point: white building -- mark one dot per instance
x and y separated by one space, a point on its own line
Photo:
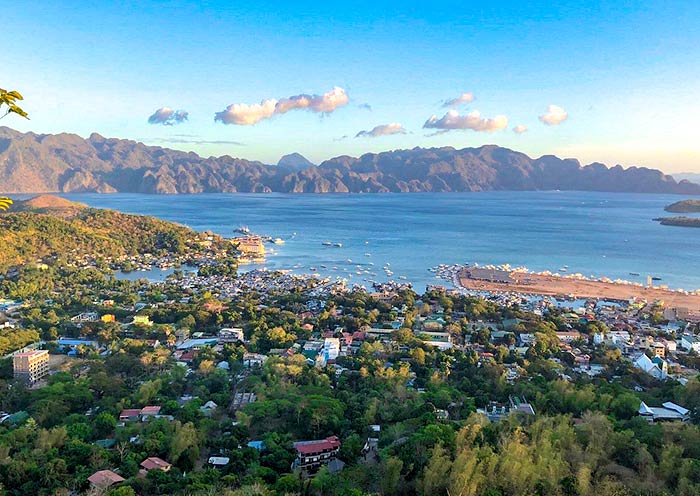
690 343
657 367
669 412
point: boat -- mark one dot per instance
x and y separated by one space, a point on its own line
326 243
242 230
655 278
338 245
278 241
634 273
563 269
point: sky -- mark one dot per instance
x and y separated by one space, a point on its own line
600 81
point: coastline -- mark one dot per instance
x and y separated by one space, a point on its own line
506 280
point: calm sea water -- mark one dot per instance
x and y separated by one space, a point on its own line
598 234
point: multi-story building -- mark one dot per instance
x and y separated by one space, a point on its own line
31 366
311 455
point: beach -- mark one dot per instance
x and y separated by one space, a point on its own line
544 284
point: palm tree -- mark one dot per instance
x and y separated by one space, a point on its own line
5 202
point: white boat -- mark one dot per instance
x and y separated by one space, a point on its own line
338 245
326 243
278 241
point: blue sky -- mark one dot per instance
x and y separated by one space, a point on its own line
626 75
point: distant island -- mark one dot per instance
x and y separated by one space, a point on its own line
679 221
35 163
684 207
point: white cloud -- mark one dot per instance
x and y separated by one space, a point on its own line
472 120
168 116
520 129
382 130
463 98
244 114
554 116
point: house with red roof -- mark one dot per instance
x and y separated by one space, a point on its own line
311 455
104 478
155 463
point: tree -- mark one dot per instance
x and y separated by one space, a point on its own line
9 99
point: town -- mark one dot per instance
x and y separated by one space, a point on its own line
221 379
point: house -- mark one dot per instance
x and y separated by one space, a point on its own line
108 317
495 412
231 335
258 445
656 367
104 478
149 411
85 317
208 408
155 463
440 340
253 360
668 412
219 461
143 320
130 414
690 343
568 336
311 455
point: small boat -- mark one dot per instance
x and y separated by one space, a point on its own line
655 278
634 273
278 241
313 269
563 269
368 254
326 243
242 230
338 245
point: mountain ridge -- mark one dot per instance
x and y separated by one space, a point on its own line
67 163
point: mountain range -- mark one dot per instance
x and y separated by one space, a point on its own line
36 163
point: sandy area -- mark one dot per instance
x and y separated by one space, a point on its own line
549 285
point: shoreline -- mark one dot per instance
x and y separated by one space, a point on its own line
503 279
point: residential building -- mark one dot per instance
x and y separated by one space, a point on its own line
231 335
690 343
144 320
668 412
155 463
104 478
656 367
311 455
30 366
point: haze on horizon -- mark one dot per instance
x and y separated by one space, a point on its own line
597 82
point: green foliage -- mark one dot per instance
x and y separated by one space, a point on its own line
9 99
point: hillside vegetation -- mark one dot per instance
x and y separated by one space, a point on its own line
27 235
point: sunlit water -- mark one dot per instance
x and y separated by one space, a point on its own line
600 234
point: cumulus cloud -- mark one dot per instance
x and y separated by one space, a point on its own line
473 120
554 116
244 114
382 130
168 117
463 98
520 129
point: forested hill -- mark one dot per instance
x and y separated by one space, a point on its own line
72 231
68 163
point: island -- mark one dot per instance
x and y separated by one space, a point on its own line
679 221
684 207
